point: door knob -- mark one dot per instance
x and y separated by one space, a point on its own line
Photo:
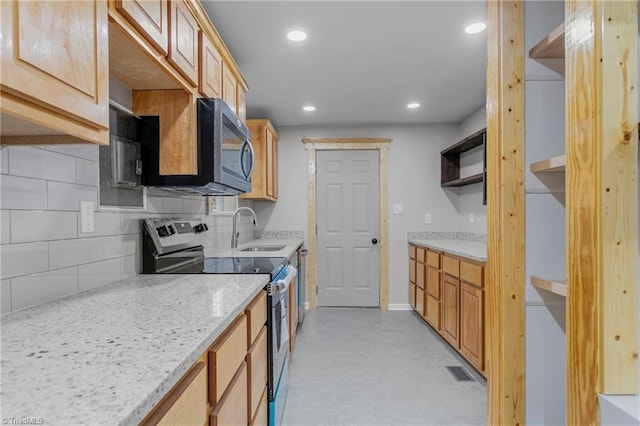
374 241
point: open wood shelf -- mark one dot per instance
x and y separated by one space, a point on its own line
477 178
550 165
552 46
466 144
558 287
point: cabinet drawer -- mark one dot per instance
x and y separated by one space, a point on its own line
412 252
420 275
433 259
225 356
186 403
471 273
433 282
257 363
232 409
451 266
260 418
420 254
412 271
420 301
256 317
433 312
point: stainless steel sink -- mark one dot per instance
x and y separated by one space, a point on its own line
263 248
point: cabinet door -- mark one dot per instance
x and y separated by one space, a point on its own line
433 312
412 270
229 87
210 68
150 17
55 54
241 107
270 165
275 168
471 324
451 309
420 275
257 376
420 301
183 45
234 406
412 295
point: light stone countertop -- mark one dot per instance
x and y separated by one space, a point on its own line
290 246
470 249
107 356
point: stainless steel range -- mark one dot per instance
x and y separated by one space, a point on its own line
175 246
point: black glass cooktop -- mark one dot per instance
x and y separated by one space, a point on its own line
243 265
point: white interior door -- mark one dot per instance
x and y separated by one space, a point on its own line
348 208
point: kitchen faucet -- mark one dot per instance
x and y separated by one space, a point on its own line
235 235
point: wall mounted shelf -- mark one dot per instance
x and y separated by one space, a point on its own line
558 287
550 50
550 165
450 163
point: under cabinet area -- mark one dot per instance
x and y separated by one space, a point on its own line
228 384
264 180
448 292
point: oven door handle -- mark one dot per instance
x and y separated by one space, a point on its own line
281 286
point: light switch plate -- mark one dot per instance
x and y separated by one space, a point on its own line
87 220
398 209
427 218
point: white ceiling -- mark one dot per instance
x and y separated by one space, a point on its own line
362 63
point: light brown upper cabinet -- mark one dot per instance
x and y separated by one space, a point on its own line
241 103
229 87
54 75
150 17
183 41
210 68
264 180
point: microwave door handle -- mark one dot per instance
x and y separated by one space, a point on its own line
246 142
253 158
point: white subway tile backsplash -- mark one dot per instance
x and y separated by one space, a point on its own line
87 172
131 223
39 163
86 151
129 266
23 259
41 288
28 226
5 232
5 297
119 245
172 205
65 196
74 252
194 205
104 224
19 193
154 205
97 274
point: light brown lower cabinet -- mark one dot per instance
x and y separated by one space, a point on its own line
227 385
471 320
420 301
433 313
232 408
451 309
412 295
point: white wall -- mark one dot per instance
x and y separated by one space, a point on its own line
469 200
414 181
44 256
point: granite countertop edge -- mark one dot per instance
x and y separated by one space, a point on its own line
290 247
472 250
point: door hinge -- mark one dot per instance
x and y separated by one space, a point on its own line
316 290
316 229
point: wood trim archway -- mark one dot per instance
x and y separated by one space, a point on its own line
380 144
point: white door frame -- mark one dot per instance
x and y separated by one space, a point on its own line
380 144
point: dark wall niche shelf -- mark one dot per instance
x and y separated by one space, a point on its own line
450 163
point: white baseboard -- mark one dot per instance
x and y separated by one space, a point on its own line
399 307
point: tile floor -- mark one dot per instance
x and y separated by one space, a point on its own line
368 367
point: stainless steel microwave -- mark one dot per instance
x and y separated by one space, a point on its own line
225 155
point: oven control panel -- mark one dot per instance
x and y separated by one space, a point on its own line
174 234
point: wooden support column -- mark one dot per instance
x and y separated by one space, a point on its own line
602 205
505 314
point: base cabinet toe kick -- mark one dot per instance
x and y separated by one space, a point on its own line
448 292
228 384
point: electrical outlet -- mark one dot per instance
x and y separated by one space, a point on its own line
471 218
87 220
427 218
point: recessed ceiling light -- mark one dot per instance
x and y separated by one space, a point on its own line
309 108
413 105
296 35
475 28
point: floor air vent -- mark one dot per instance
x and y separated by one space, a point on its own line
459 373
